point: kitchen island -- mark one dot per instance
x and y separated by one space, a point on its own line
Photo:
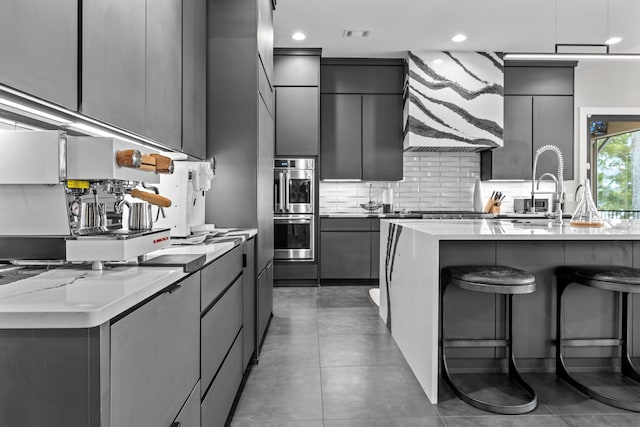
412 253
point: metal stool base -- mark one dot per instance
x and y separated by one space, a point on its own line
513 373
627 368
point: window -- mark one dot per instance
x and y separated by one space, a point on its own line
615 175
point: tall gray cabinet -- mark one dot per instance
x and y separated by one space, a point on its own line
538 110
240 127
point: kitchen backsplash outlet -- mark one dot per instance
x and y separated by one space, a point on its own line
437 181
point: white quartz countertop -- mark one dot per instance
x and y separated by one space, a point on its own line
68 297
78 297
519 229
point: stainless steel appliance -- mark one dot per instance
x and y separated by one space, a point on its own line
56 192
294 237
293 181
294 219
523 205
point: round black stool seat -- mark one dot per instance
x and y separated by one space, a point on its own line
498 279
607 277
622 280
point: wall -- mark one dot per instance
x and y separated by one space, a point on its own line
599 86
432 181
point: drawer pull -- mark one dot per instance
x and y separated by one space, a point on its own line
172 288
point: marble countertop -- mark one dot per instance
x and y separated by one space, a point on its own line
78 297
518 229
75 297
367 215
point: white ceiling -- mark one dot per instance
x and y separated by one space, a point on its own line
491 25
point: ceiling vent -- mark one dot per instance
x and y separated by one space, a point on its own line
356 33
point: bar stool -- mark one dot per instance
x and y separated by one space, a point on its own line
496 280
619 279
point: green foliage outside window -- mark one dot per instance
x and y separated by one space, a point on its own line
614 189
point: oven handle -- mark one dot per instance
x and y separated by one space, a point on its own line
281 190
287 190
293 220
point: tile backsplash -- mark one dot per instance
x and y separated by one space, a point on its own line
432 181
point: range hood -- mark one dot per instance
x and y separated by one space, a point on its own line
453 101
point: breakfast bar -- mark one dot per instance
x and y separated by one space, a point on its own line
413 252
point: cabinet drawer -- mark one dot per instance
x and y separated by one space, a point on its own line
219 328
154 357
345 224
189 415
219 398
217 276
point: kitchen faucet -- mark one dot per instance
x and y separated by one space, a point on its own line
558 194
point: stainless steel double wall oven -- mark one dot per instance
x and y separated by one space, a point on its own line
294 196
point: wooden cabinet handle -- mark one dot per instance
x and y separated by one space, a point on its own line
154 199
129 158
163 163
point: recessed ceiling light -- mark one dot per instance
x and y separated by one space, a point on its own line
459 38
356 33
299 36
613 40
436 61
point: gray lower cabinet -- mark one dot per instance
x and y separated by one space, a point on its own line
341 136
164 72
189 415
265 300
113 62
194 77
218 400
221 336
220 327
349 248
297 121
345 255
154 358
248 301
39 49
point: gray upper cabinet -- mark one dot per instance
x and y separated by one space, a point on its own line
297 121
515 158
361 119
338 76
113 62
553 124
164 72
296 77
381 137
341 130
39 49
544 80
194 77
296 70
538 111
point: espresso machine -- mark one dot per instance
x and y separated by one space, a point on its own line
62 198
187 188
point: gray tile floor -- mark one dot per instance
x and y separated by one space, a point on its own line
329 361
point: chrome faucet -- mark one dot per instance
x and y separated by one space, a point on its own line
558 194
